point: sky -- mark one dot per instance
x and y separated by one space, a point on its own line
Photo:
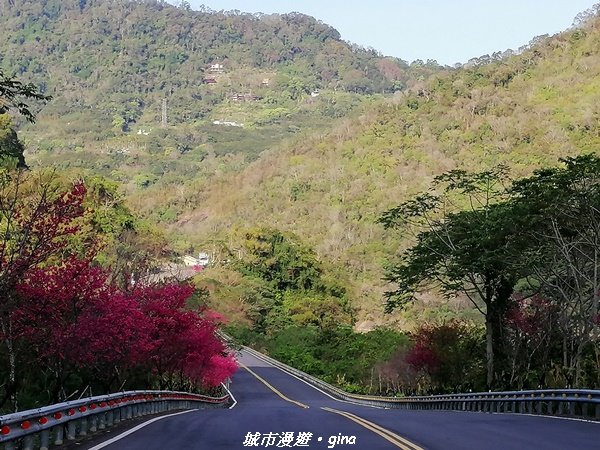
448 31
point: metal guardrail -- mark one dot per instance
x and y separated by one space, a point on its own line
38 428
576 403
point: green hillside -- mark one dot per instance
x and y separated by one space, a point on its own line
526 110
332 135
112 66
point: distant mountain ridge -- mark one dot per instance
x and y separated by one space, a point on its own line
319 150
525 110
123 56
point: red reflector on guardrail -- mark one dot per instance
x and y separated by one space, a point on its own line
58 416
71 412
43 420
82 409
25 425
5 430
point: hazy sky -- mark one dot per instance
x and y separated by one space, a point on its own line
448 31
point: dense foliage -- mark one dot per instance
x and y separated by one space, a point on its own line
527 256
67 322
330 188
64 322
110 65
275 146
124 58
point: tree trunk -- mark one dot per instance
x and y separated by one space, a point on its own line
12 365
489 348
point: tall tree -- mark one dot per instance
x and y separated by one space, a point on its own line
562 206
11 149
470 251
280 259
37 220
12 95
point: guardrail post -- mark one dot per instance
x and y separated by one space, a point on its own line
110 418
94 423
28 442
102 424
71 430
83 426
45 439
572 408
59 438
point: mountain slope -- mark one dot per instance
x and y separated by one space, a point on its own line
121 58
320 154
525 110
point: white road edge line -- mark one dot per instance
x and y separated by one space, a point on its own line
230 395
575 419
133 430
384 407
310 385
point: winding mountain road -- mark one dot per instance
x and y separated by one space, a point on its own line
276 410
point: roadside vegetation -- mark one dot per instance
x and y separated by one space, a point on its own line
327 182
77 316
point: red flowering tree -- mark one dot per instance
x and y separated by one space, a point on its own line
186 352
65 323
52 299
446 357
112 338
530 339
37 222
73 321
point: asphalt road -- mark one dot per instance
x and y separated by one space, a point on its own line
275 410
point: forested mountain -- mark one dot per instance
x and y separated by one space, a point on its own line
116 60
525 110
166 98
312 135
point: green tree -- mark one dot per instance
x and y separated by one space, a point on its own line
280 259
13 94
473 251
562 206
11 149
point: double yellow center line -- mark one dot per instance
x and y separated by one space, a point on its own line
398 441
266 383
388 435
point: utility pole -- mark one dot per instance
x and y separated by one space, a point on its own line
163 122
